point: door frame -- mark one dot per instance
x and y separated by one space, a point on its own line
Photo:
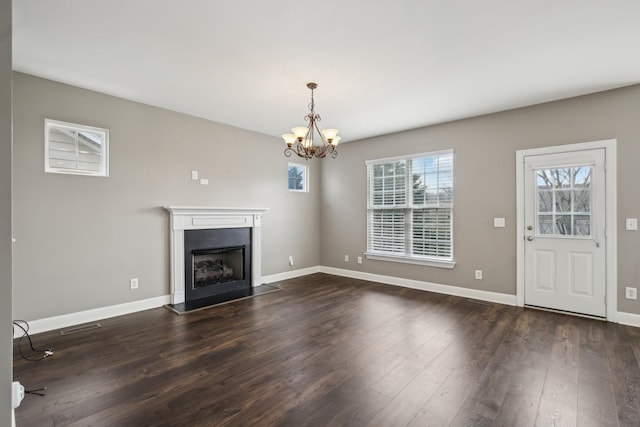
611 207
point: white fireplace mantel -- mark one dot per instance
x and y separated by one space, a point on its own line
194 218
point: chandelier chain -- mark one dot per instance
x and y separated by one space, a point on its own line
312 104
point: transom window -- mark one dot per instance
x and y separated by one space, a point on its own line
410 209
76 149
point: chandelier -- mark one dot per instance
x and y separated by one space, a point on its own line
302 141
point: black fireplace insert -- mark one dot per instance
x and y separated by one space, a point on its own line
217 265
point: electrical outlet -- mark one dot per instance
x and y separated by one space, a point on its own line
498 222
204 181
359 260
346 258
478 274
194 175
630 293
133 283
291 260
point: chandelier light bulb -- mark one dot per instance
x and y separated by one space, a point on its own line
300 132
289 138
330 133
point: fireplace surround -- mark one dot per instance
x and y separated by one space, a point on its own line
240 233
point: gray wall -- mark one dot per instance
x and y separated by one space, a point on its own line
6 347
80 239
485 187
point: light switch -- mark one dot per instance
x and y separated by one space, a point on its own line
204 181
632 224
498 222
194 175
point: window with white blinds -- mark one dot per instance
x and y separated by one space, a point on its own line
410 209
76 149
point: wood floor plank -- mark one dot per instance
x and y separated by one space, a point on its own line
494 384
445 403
625 377
559 400
327 350
402 409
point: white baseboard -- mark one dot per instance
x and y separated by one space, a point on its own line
290 274
629 319
72 319
424 286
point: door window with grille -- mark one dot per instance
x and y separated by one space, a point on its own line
564 201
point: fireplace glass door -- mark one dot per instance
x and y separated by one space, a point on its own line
215 266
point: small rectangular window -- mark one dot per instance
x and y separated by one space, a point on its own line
75 149
298 178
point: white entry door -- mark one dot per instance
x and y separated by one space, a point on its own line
564 219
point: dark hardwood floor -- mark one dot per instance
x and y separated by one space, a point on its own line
334 351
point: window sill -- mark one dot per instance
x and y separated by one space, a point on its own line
410 260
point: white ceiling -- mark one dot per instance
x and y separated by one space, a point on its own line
381 65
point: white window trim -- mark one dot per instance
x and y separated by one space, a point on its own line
407 157
48 124
305 181
410 259
430 262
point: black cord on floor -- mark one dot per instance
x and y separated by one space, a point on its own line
37 391
25 329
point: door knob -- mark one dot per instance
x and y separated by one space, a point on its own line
529 238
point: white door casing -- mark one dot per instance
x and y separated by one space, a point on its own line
566 205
